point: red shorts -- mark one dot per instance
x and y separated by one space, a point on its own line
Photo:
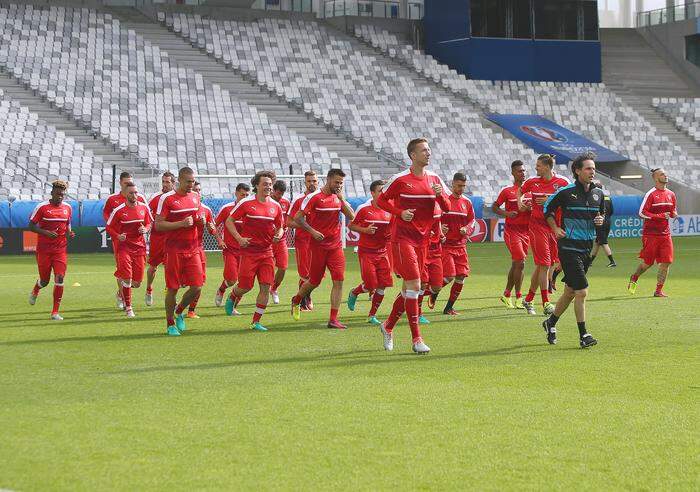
455 261
203 259
657 249
433 272
252 266
156 253
517 241
183 269
333 259
130 266
409 260
375 270
48 261
544 245
303 255
231 264
281 253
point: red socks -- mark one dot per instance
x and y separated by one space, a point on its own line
634 278
397 310
455 290
170 321
334 315
544 294
659 287
274 287
259 310
359 290
126 296
223 287
57 295
179 309
506 293
194 302
412 312
518 295
377 299
36 289
530 296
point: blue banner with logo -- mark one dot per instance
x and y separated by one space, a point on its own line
546 137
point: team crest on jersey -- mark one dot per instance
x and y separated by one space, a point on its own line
555 186
272 210
464 207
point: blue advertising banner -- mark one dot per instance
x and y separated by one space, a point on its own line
545 136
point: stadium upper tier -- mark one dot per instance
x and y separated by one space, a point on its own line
129 93
589 109
35 153
683 113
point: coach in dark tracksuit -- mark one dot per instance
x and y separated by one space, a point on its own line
582 210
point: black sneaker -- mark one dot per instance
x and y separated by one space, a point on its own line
551 332
612 264
587 340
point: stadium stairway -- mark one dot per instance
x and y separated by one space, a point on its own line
67 125
247 91
636 73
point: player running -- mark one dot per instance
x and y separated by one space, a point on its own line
582 210
261 225
658 206
176 214
602 232
318 216
433 277
157 238
515 233
51 221
458 224
280 249
414 193
125 179
128 223
230 250
302 240
205 220
373 225
542 239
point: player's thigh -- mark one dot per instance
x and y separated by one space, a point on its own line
664 250
138 268
281 253
230 267
368 270
125 265
317 267
409 260
191 273
335 262
44 265
435 273
541 249
247 271
383 267
573 266
203 261
448 264
461 261
265 270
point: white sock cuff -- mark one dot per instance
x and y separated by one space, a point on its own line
379 292
126 284
57 284
411 294
458 281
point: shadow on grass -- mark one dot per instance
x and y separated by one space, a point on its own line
620 298
344 359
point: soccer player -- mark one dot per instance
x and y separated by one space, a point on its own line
373 225
433 276
458 223
602 232
157 238
658 206
515 233
542 239
262 224
51 220
127 224
411 196
125 179
318 216
176 214
204 220
582 209
280 248
231 250
302 240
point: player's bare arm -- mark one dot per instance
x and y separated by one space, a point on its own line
164 225
370 229
301 220
231 226
558 231
35 228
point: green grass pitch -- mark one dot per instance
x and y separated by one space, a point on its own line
97 402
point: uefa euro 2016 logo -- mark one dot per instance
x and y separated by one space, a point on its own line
546 134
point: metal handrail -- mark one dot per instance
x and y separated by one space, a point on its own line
666 15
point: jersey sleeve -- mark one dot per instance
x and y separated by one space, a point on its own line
238 211
37 214
221 216
279 218
163 208
552 203
645 208
501 198
309 204
525 187
471 216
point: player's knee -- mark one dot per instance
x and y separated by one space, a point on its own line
379 292
136 285
581 294
58 280
126 283
43 283
459 279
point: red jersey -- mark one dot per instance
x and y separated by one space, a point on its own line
460 214
411 192
153 205
115 200
509 197
54 218
260 222
299 233
322 213
366 215
539 188
285 205
232 245
174 207
654 205
436 236
204 216
128 220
